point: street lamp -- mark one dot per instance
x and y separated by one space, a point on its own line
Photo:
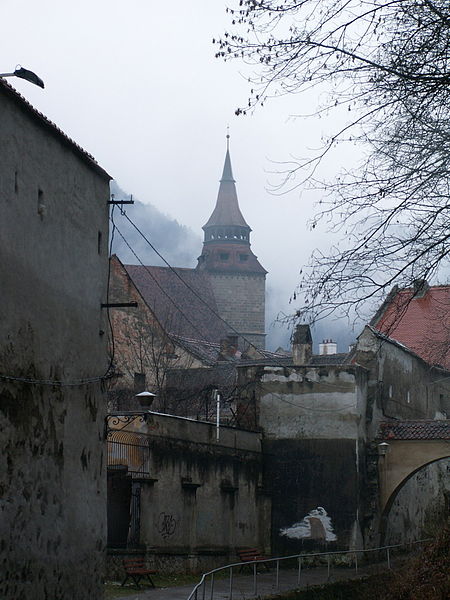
383 448
145 398
25 74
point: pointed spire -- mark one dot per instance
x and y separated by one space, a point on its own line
227 211
227 174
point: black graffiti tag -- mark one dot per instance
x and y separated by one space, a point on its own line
166 525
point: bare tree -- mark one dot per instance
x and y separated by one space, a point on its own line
144 350
388 63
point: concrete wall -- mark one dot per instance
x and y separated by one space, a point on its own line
240 301
53 273
313 424
207 499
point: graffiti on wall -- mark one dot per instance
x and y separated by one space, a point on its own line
316 525
166 524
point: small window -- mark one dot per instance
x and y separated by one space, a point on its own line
16 182
224 256
41 204
243 257
99 242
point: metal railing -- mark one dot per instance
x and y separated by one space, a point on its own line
200 592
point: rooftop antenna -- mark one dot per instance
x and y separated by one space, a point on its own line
25 74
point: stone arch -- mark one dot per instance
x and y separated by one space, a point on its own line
404 459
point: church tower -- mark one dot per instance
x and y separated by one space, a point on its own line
237 278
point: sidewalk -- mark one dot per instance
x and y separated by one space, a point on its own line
243 585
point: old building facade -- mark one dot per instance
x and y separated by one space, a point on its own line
53 357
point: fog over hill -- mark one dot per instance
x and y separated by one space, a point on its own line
180 246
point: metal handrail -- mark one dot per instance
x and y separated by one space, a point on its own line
299 557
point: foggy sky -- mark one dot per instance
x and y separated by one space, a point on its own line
136 84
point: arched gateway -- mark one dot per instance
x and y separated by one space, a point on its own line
406 447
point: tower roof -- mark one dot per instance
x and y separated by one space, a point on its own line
227 211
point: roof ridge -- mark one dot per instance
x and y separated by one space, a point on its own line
52 126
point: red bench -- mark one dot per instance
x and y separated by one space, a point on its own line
135 569
250 555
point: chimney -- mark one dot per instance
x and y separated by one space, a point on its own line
421 287
328 347
301 345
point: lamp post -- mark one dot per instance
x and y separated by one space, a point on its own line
25 74
145 398
383 448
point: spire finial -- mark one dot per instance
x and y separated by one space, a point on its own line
228 138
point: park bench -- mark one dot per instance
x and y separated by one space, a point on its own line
136 569
247 555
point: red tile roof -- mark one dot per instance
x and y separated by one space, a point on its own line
415 430
176 306
39 117
421 323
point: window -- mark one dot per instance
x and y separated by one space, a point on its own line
243 257
224 256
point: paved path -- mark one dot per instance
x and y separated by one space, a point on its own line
243 585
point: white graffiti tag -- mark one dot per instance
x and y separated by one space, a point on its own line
316 526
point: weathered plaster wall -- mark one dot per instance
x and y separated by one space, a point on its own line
53 269
313 424
401 385
241 303
207 499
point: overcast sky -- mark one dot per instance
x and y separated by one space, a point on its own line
136 84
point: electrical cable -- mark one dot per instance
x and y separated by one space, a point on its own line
203 301
159 285
270 362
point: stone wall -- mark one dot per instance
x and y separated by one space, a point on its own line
240 301
53 269
207 499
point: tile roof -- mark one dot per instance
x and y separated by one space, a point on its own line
206 351
414 430
183 310
26 106
422 323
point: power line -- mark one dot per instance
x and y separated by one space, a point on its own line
215 313
204 302
159 285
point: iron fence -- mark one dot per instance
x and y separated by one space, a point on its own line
208 579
